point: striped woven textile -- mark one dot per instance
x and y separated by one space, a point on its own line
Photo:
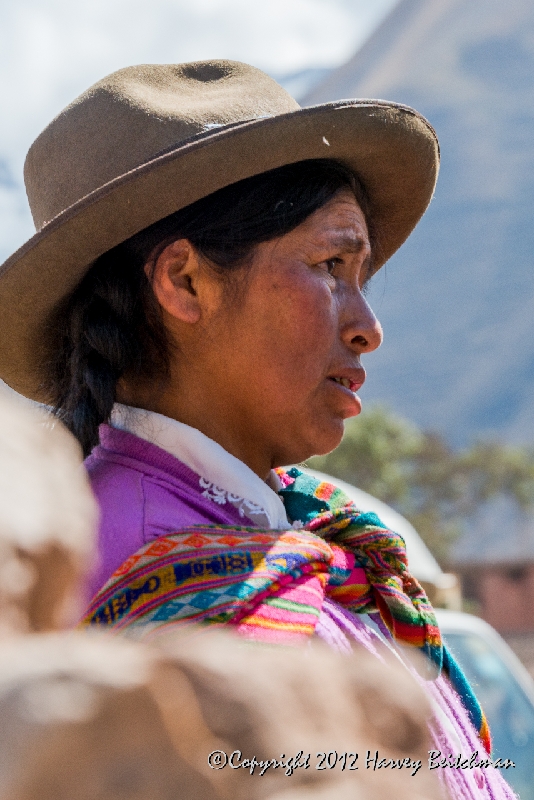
271 585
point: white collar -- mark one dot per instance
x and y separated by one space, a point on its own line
223 478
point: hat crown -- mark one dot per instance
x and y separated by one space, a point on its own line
132 116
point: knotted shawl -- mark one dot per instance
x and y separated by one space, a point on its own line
271 585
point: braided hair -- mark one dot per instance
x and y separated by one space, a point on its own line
111 325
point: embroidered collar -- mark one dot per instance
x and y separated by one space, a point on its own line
222 477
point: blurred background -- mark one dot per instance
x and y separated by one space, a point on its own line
447 433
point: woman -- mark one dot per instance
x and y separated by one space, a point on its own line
196 289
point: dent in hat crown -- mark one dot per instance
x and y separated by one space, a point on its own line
134 115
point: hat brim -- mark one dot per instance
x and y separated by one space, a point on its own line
392 149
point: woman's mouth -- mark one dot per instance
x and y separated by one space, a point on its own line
353 386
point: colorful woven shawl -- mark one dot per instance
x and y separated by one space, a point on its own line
271 584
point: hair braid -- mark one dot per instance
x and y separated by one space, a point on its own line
103 333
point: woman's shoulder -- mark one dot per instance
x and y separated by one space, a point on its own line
121 452
124 464
144 492
140 497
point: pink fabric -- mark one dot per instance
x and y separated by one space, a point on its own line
306 590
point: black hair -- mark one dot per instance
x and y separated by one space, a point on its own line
111 325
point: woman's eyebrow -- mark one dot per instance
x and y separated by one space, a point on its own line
349 243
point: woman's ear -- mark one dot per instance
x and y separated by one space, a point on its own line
174 277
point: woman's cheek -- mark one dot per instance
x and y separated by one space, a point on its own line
300 323
310 345
318 313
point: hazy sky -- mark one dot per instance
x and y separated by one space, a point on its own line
51 50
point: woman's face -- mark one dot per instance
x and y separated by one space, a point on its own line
275 369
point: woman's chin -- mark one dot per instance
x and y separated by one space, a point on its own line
331 432
326 447
324 442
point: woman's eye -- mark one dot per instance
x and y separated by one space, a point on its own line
330 265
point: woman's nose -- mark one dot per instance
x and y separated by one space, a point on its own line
361 330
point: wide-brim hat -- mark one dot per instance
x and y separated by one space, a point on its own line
149 140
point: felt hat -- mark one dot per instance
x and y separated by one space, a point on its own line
149 140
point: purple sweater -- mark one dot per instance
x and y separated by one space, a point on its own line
144 492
